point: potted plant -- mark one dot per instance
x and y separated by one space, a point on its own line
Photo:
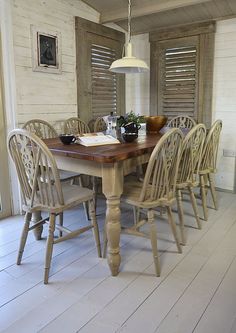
131 122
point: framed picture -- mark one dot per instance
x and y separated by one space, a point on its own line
46 51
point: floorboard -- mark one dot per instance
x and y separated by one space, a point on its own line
195 293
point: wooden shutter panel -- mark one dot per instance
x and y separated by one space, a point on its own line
179 81
99 90
181 71
104 82
178 77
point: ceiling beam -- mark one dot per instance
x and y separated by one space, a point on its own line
146 7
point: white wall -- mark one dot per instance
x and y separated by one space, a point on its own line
8 71
137 85
52 97
224 98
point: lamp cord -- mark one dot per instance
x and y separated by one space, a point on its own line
129 21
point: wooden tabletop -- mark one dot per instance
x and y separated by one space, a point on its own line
106 153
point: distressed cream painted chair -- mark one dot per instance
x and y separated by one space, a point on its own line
100 125
41 128
207 168
188 172
75 126
157 189
182 122
44 130
42 191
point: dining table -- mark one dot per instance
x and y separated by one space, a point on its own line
112 163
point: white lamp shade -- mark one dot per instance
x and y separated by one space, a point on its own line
129 64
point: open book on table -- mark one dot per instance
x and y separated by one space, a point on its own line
96 139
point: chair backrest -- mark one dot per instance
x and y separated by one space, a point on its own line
182 122
191 154
36 169
41 128
75 126
99 125
210 149
160 177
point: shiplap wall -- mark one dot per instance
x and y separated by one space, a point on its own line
137 85
52 97
224 98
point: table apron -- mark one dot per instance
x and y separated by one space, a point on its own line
80 166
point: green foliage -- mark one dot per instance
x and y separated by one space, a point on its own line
130 117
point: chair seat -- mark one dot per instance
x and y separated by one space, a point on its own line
67 175
131 195
73 195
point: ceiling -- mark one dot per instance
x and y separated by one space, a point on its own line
150 15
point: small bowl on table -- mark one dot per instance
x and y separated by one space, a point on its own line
155 123
129 137
67 139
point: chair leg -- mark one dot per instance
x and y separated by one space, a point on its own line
49 247
104 251
24 235
212 189
203 196
194 205
95 226
181 217
85 204
173 228
61 223
95 190
153 237
136 212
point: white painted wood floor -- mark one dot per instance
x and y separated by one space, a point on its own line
195 293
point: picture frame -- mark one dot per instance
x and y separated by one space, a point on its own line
46 51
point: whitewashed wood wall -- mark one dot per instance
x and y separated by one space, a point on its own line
224 98
52 97
137 85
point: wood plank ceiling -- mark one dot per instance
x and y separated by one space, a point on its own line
150 15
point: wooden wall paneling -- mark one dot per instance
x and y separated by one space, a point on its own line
41 94
206 66
183 31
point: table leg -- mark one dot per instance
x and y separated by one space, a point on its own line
36 216
112 187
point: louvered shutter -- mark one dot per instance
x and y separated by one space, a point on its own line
104 82
181 71
99 90
179 81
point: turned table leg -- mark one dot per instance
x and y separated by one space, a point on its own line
112 185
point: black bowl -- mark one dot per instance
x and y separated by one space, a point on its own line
129 137
67 138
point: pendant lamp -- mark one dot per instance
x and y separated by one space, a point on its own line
129 63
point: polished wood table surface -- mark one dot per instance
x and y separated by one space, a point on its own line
111 163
